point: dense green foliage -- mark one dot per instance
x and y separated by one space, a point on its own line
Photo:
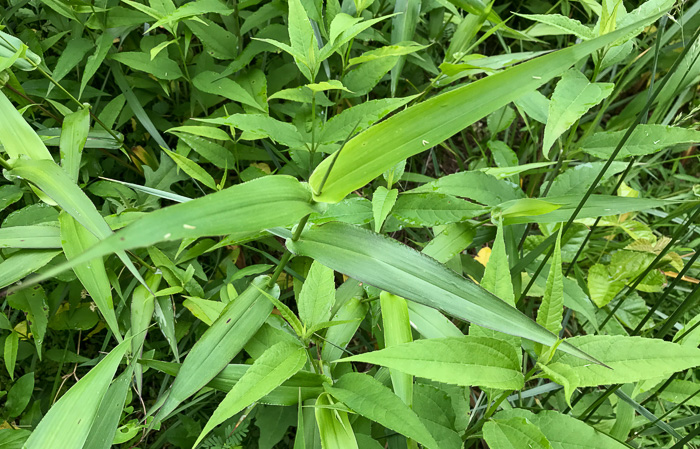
349 224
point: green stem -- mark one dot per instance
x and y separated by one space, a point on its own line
287 254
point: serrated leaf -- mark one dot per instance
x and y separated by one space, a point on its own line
369 398
514 433
573 97
317 296
383 201
455 360
433 209
645 139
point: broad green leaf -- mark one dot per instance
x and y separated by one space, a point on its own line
10 352
268 372
160 67
75 51
551 310
23 263
632 359
369 398
438 118
92 274
680 390
397 331
213 83
19 395
187 10
74 134
204 309
218 42
77 409
463 361
54 182
238 322
359 117
259 126
474 185
94 61
110 412
36 237
564 24
433 209
16 136
602 286
575 181
310 384
403 28
193 169
383 201
573 97
34 302
564 431
303 41
595 206
338 337
241 209
333 425
645 139
388 265
514 433
317 296
142 308
497 280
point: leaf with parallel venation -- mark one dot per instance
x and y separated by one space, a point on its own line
238 322
268 372
429 123
244 208
368 397
391 266
474 185
551 310
463 361
93 275
77 409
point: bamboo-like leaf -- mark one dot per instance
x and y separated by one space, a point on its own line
397 330
24 262
238 322
333 425
93 275
368 397
244 208
399 269
455 360
276 365
68 422
431 122
142 308
16 136
74 134
110 412
54 182
37 237
338 337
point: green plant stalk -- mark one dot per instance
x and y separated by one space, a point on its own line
287 254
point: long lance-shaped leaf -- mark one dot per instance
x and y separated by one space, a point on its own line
68 422
276 365
429 123
389 265
93 275
238 322
55 182
16 136
244 208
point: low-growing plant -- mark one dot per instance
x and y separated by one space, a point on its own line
349 224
